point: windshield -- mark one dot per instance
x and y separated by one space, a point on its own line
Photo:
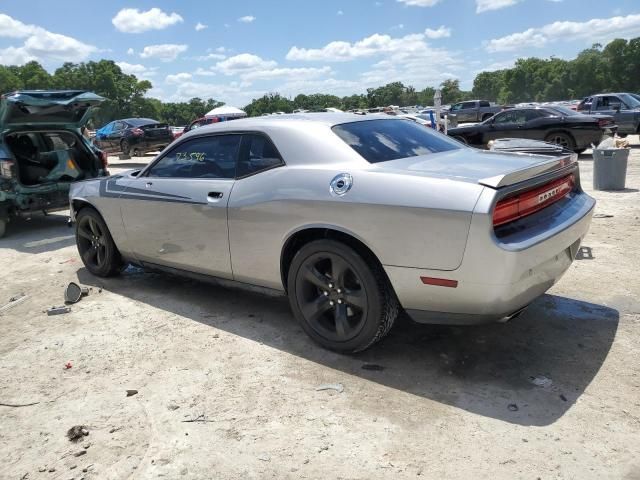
137 122
630 100
563 110
385 140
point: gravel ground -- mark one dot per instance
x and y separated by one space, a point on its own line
227 381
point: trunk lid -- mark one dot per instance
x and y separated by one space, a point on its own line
61 108
491 169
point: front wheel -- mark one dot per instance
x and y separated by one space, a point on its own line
125 148
562 139
95 245
343 302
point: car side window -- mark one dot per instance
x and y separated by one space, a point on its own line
484 103
532 115
504 117
204 157
257 154
468 105
456 107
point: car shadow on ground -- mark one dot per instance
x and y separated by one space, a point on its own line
40 234
489 370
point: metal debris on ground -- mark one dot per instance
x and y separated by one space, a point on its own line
74 292
264 457
13 301
338 387
602 215
131 393
77 432
80 453
541 381
58 310
68 365
513 407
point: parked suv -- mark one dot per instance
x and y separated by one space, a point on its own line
42 151
474 110
133 136
623 107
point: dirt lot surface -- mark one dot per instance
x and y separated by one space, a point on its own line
227 381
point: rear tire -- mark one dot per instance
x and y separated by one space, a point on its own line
461 139
580 150
560 138
95 245
343 301
3 226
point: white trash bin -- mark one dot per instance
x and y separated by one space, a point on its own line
610 168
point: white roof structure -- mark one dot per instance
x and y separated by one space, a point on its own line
226 111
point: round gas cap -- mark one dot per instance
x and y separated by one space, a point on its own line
341 184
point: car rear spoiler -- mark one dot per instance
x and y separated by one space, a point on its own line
542 168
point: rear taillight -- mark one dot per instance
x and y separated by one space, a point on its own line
7 168
515 207
603 122
137 131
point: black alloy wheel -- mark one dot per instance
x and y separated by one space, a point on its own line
342 301
95 245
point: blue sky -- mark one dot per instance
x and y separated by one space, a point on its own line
234 51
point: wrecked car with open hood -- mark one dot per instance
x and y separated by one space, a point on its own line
42 150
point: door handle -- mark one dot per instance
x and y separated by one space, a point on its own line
149 184
214 196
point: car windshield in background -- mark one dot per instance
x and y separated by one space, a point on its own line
563 110
137 122
385 140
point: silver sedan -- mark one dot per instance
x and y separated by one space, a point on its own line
354 218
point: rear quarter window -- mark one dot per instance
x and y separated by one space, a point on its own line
385 140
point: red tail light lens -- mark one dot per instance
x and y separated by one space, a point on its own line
137 131
602 122
513 208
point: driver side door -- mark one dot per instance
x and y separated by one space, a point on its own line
175 213
502 125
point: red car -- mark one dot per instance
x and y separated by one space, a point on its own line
197 124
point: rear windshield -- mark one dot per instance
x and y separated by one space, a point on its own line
385 140
138 122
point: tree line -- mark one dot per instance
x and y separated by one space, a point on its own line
614 67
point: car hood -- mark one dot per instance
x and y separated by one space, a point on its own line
493 169
63 108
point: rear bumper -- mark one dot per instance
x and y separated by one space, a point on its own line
495 280
151 143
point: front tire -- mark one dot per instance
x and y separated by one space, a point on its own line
125 148
563 139
95 245
343 301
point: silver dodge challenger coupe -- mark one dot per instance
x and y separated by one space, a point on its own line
354 218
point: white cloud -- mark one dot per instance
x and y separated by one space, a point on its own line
419 3
440 32
594 30
130 51
375 44
400 26
339 12
487 5
211 56
178 78
221 49
166 52
247 19
290 73
132 20
200 26
205 73
39 44
137 69
244 63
